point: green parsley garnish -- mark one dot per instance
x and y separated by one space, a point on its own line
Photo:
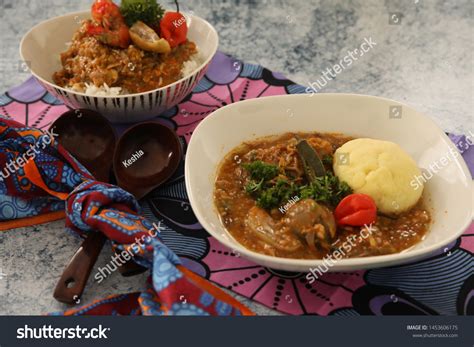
147 11
259 170
270 193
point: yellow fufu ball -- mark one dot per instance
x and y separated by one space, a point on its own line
382 170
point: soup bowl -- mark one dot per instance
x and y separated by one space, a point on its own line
448 193
41 47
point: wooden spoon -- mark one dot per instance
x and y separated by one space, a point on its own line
90 138
145 157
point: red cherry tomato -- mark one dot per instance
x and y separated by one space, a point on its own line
173 28
356 210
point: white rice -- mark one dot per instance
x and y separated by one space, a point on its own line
188 68
104 90
191 65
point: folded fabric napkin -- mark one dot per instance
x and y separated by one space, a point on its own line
441 284
40 169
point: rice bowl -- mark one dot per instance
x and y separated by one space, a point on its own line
44 43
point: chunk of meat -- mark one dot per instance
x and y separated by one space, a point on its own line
312 222
263 226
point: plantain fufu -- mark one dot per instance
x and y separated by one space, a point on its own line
380 169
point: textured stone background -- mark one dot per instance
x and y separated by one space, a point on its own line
426 62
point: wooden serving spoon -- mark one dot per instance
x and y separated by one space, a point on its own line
74 278
91 140
157 152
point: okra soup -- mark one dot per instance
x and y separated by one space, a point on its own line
307 195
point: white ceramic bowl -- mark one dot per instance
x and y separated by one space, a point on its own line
41 46
449 192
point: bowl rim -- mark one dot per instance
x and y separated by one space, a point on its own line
53 85
346 263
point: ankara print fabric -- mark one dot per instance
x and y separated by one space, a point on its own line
93 206
441 284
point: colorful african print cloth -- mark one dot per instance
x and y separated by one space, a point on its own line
39 169
440 284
